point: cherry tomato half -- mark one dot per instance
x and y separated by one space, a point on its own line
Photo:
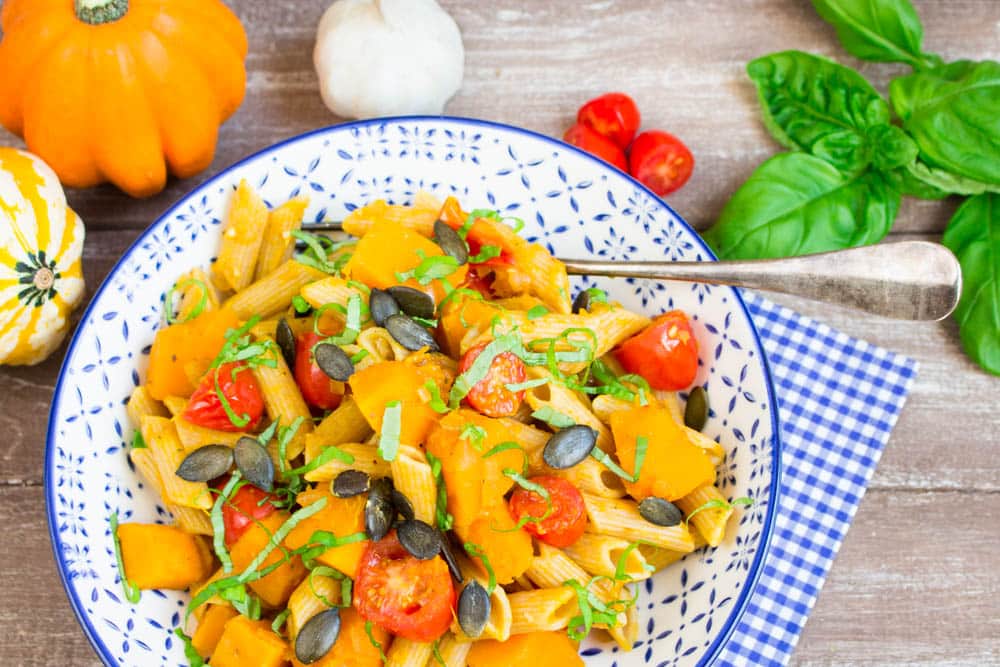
665 353
242 392
408 597
568 518
613 115
317 388
247 505
490 395
660 161
584 137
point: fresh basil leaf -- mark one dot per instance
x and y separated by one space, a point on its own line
879 30
919 180
818 106
974 236
796 204
953 113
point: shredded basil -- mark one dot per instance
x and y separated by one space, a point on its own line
346 585
190 652
138 442
168 300
476 551
481 367
553 417
353 325
719 503
437 403
507 446
317 254
537 311
375 643
442 517
218 525
528 485
132 592
329 453
592 610
620 574
430 268
528 384
322 540
300 305
279 621
436 652
242 600
485 254
392 423
358 356
474 434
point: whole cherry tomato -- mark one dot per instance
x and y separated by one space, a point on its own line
665 353
247 505
660 161
597 144
490 395
613 115
317 388
568 516
410 598
238 385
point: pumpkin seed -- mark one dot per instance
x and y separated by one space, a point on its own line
333 361
380 513
419 538
382 306
473 609
402 504
350 483
285 338
206 463
449 557
317 636
409 334
696 410
413 302
582 301
254 463
449 241
569 446
660 512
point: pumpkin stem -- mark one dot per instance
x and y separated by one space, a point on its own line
96 12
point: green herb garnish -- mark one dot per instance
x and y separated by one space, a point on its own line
537 311
168 300
392 423
132 593
476 551
553 417
443 518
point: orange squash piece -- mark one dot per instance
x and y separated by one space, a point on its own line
274 588
389 381
158 556
508 550
461 315
389 248
353 648
342 517
245 642
673 468
209 631
533 648
182 352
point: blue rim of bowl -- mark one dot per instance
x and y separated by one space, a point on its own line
756 568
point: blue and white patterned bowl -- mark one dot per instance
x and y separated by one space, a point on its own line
572 203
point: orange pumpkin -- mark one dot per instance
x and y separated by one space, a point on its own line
120 90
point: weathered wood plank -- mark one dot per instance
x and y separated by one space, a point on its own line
534 64
915 584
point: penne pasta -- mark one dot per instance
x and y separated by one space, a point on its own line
711 522
284 403
345 424
168 452
498 625
565 401
366 459
419 217
335 291
659 558
241 239
542 610
412 476
381 346
192 520
600 555
175 405
405 653
316 593
141 404
195 294
453 651
621 518
274 292
193 436
278 242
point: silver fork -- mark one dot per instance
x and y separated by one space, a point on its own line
909 280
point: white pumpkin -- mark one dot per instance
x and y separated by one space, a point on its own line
41 277
388 57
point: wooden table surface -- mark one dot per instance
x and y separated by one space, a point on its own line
918 579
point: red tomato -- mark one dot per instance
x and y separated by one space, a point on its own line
665 353
247 505
476 245
242 392
490 395
316 386
568 518
613 115
481 284
589 140
660 161
408 597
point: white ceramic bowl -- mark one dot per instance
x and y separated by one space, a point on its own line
572 203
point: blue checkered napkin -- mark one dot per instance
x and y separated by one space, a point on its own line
838 401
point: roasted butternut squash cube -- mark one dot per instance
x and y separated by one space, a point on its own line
274 588
245 642
353 648
507 548
206 636
532 648
182 352
342 517
158 556
673 467
376 386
